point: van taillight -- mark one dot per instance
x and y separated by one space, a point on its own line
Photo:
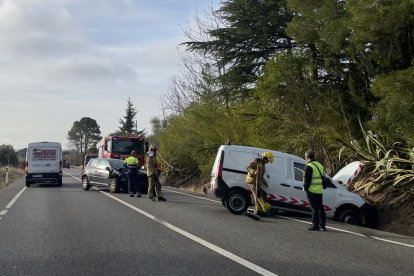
61 164
219 172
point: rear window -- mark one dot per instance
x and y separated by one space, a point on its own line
44 154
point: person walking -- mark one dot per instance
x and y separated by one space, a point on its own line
255 176
153 173
132 163
312 184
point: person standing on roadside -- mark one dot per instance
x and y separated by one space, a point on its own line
153 173
312 184
132 163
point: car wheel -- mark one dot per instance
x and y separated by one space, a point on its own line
236 202
113 185
85 183
349 216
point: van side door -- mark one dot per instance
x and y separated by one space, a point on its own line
279 190
299 198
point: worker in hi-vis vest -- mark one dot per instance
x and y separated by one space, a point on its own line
312 184
132 163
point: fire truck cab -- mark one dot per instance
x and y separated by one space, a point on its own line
120 147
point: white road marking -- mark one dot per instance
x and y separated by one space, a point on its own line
8 206
301 221
191 195
3 212
205 243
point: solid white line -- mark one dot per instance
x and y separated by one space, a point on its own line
205 243
8 206
301 221
3 212
306 222
191 195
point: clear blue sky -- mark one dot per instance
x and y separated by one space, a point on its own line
61 60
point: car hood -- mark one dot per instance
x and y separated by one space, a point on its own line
347 174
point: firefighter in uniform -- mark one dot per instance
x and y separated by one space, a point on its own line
255 175
153 172
132 163
312 184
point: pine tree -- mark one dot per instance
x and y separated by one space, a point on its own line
127 124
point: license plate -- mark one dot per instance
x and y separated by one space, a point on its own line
37 175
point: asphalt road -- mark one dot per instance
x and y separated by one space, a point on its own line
48 230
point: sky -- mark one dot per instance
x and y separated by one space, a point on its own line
61 60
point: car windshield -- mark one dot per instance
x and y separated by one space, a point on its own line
125 146
117 163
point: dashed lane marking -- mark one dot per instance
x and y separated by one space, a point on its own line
3 212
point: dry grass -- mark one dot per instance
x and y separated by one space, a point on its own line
14 173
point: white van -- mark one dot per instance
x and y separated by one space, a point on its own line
285 192
44 163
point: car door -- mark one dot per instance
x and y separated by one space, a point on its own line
90 169
102 174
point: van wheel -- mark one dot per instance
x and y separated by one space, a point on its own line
27 183
236 202
85 183
59 182
349 216
113 185
223 201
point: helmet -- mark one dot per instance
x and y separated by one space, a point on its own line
268 155
152 148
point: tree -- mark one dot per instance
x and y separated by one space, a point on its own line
251 32
8 156
128 123
84 134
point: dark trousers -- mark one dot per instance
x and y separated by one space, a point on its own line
133 181
318 211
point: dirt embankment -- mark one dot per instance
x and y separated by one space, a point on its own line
393 217
14 173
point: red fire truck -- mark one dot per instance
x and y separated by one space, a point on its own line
120 147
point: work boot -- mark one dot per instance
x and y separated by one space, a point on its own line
323 227
138 195
312 228
162 199
131 195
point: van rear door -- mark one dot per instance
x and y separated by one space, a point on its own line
44 159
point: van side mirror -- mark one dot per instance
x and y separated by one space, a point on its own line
108 169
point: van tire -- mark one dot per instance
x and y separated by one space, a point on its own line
85 183
59 182
223 201
27 183
113 185
349 216
237 201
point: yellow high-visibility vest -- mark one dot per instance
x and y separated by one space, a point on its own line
316 183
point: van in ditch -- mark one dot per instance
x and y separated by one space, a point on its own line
285 192
44 163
